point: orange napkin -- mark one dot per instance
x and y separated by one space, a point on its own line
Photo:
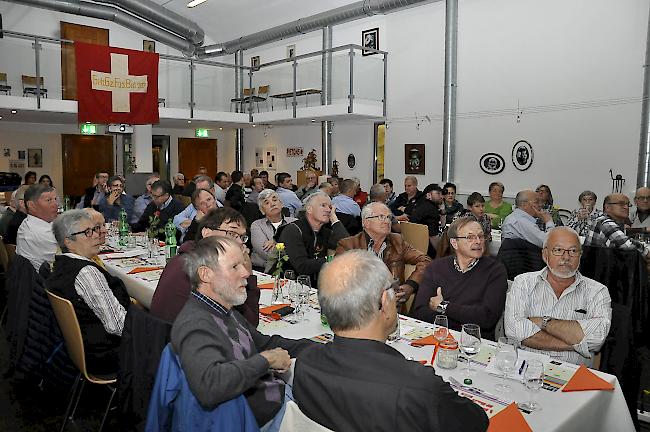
584 379
509 419
428 340
268 285
143 269
270 310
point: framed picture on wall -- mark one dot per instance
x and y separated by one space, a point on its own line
414 159
149 46
370 39
35 158
291 51
255 62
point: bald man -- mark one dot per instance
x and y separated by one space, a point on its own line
521 223
640 215
609 229
352 383
556 310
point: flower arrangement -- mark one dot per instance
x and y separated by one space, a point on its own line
155 227
280 260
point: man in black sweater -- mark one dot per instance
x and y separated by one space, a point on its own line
358 382
467 286
163 206
235 196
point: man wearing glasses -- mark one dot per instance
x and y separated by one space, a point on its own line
162 206
609 229
143 200
466 286
376 237
556 310
116 200
521 223
640 217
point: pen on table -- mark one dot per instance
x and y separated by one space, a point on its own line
521 368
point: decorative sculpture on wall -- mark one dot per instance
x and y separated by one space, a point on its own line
309 163
617 182
492 163
522 155
414 159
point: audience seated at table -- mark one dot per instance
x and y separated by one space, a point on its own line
203 201
609 229
496 208
405 201
143 200
476 210
310 186
391 196
545 198
376 237
467 286
289 198
11 233
426 211
263 230
163 207
308 239
521 223
99 299
184 219
235 196
344 201
35 240
452 207
95 194
557 311
116 200
639 217
174 285
223 355
585 215
179 183
358 382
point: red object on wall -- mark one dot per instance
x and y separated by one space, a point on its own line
116 85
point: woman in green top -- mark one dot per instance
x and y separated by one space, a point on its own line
497 208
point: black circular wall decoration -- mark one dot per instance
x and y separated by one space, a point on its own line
492 163
352 161
522 155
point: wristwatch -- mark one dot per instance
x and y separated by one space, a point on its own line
545 320
442 307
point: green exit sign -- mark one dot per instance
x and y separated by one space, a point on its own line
201 133
88 129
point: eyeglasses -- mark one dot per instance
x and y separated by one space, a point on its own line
234 234
642 198
558 251
382 218
472 237
621 203
88 231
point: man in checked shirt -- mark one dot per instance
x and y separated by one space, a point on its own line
556 310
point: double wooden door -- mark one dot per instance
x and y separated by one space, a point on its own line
83 156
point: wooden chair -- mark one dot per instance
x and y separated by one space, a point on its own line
4 87
417 235
67 319
30 85
261 90
244 99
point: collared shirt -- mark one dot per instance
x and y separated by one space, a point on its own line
521 225
289 200
92 287
347 205
582 225
188 214
382 248
531 295
606 232
141 203
640 219
35 241
166 203
215 306
262 231
252 197
391 199
219 193
469 267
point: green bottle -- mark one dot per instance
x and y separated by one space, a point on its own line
123 228
170 239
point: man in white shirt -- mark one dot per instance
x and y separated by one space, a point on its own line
344 201
35 240
222 181
556 310
521 223
287 196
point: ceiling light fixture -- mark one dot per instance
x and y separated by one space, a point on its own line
189 121
195 3
253 125
220 128
14 111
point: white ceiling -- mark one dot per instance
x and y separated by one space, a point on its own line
224 20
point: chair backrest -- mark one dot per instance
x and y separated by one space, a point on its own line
4 256
263 90
295 421
248 91
67 319
3 77
11 252
30 81
417 235
565 215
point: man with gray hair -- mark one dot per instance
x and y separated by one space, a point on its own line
184 219
391 248
179 183
521 223
143 200
377 193
344 201
35 240
223 356
556 310
358 382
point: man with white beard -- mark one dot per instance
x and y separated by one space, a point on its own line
556 310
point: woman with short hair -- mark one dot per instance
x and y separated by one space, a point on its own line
496 208
582 217
263 230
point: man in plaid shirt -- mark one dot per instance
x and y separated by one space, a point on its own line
609 231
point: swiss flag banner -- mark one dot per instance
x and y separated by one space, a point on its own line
116 85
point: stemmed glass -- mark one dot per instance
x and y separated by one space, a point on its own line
506 358
533 379
289 288
470 343
441 328
304 285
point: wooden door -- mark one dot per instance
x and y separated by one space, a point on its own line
80 33
83 156
196 152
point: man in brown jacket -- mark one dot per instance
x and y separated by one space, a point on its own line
376 237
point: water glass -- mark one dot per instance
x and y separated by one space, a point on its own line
289 286
470 343
506 359
303 301
533 379
441 328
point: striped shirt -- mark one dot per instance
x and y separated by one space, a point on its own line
606 232
531 295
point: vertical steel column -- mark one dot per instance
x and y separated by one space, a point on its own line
643 169
351 94
449 126
239 90
239 144
295 83
191 88
250 97
385 84
37 59
326 99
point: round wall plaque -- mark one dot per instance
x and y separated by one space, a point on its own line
492 163
352 161
522 155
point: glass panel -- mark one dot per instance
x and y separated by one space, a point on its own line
340 77
214 87
279 78
17 59
368 78
309 81
50 66
174 83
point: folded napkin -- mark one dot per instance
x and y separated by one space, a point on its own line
144 269
509 419
270 310
268 285
584 379
427 340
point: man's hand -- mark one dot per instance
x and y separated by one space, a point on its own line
278 359
403 293
186 223
333 217
434 302
112 197
537 321
545 216
268 245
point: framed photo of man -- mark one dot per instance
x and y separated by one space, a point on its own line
370 39
414 159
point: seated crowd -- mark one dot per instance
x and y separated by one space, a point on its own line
230 225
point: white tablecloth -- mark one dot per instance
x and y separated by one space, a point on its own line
137 285
572 411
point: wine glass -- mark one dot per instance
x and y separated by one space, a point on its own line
304 285
506 359
289 287
533 379
470 343
441 328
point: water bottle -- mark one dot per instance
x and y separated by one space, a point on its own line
123 228
170 240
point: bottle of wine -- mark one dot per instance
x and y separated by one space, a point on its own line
123 228
170 239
